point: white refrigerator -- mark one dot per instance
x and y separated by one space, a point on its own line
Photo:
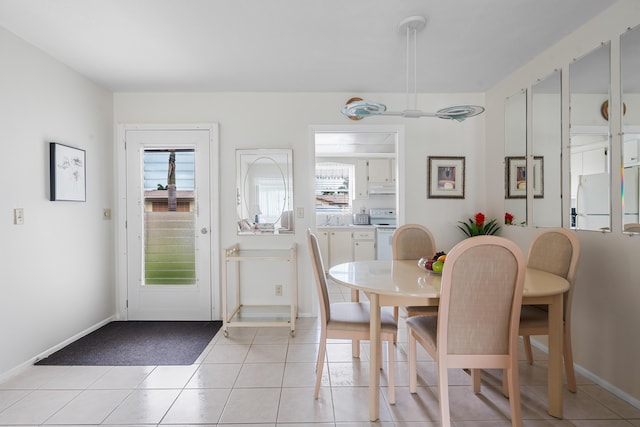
631 199
593 202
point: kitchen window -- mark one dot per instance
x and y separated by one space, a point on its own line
334 186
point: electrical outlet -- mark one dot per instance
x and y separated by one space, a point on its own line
300 213
278 290
18 216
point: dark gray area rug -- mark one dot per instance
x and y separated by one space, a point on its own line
138 343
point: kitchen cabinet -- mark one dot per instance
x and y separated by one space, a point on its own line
364 245
323 242
345 244
361 185
382 171
335 246
630 152
587 162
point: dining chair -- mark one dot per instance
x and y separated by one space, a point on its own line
632 228
347 320
554 250
413 241
477 322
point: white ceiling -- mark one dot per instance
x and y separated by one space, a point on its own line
293 45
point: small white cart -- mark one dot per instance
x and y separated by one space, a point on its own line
240 315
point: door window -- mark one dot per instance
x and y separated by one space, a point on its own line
169 217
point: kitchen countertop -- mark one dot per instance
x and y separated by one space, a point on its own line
346 226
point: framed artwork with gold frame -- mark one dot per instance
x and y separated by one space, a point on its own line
445 177
516 177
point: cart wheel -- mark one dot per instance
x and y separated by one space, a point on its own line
293 333
226 334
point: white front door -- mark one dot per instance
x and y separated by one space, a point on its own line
168 224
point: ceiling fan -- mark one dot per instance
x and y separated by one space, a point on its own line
357 108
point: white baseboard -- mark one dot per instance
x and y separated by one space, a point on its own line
596 379
27 364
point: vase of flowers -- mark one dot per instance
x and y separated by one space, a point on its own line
478 226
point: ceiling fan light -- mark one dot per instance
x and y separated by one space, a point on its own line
357 109
459 112
414 114
361 109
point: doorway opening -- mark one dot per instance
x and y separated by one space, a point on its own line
357 168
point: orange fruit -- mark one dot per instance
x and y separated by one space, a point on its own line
441 258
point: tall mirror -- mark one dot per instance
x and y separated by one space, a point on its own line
590 141
264 191
630 82
546 105
515 152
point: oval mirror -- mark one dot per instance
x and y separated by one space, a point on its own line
515 151
590 141
546 100
630 82
264 191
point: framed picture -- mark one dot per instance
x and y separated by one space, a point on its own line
516 177
67 169
445 177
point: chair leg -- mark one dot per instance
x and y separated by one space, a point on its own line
443 388
322 348
514 395
527 349
475 379
413 371
568 361
391 372
355 348
396 316
505 383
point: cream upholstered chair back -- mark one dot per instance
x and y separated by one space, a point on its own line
320 278
481 297
478 319
632 228
412 241
557 251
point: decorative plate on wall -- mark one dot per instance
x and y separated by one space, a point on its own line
604 109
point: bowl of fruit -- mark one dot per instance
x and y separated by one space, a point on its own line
433 264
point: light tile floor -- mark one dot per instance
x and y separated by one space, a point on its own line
261 376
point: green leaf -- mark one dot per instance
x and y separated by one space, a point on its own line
467 228
491 227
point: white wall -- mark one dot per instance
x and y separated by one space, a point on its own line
57 268
277 120
605 311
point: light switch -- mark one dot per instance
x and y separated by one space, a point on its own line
300 213
18 216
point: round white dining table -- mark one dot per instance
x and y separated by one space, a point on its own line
403 282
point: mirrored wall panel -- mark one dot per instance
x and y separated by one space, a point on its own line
515 152
264 191
546 123
590 141
630 82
